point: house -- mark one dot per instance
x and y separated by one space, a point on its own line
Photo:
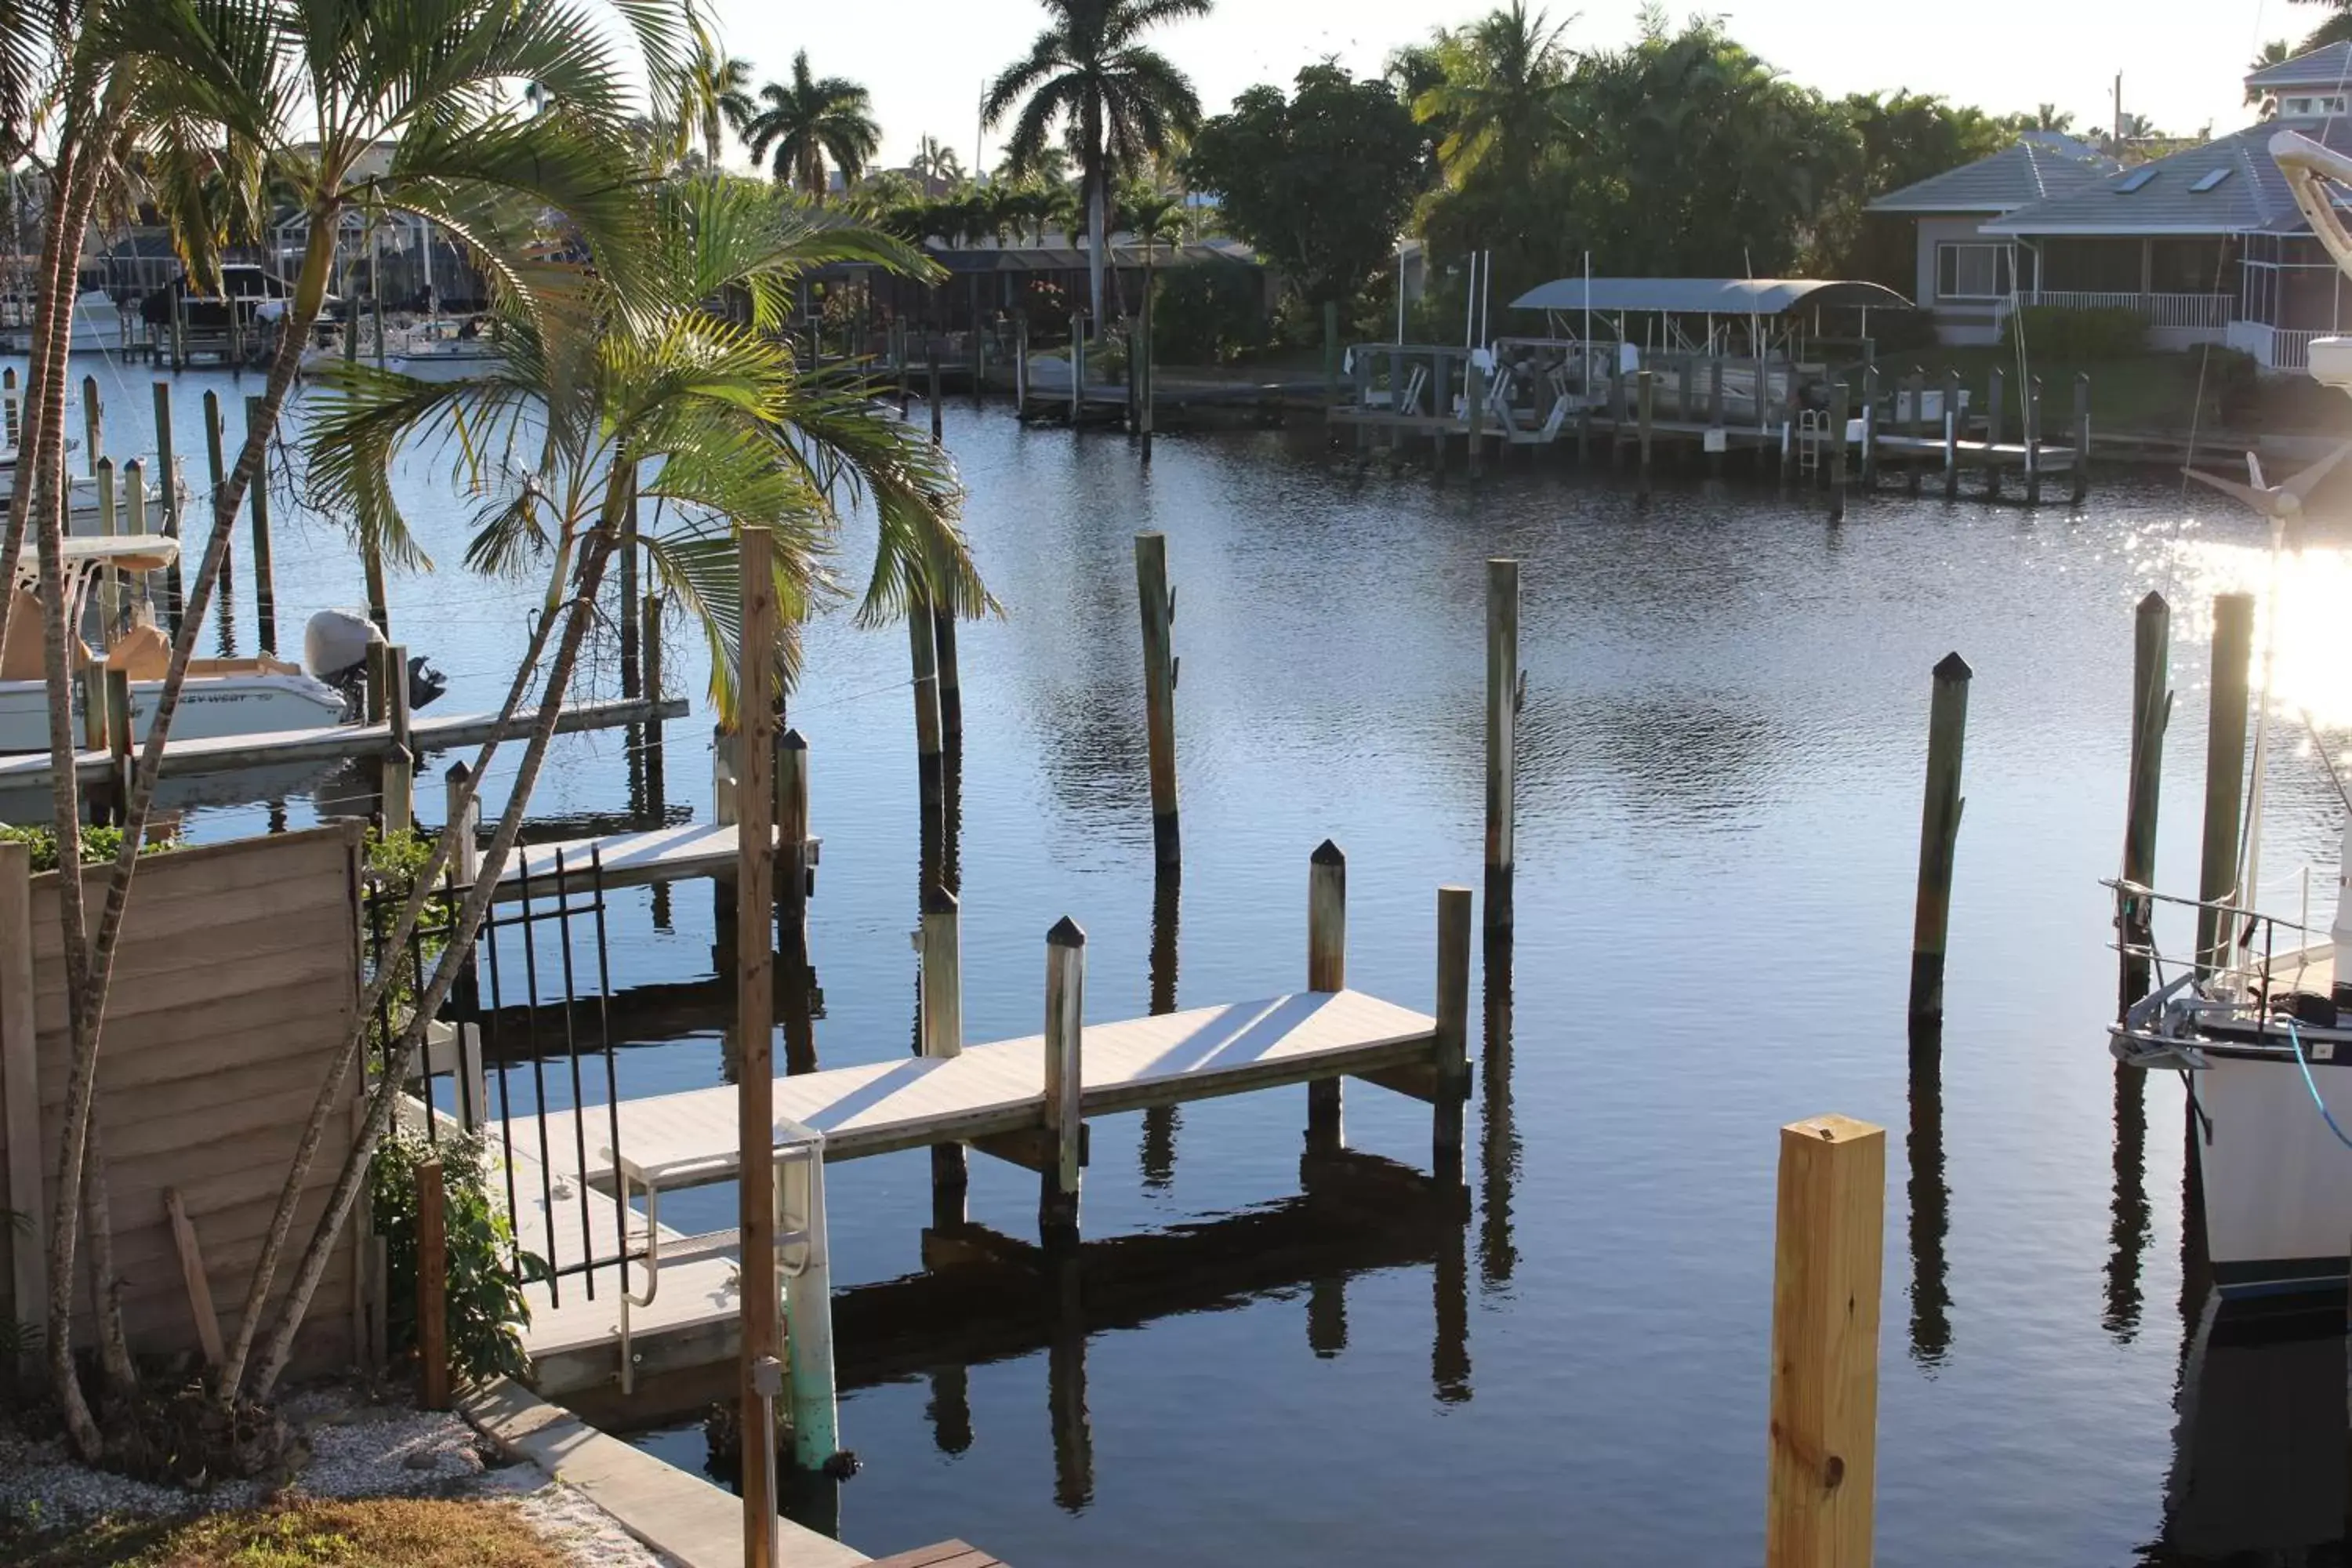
2206 244
1963 276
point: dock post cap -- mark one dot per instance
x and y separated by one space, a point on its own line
459 772
1329 854
1833 1129
938 900
2152 601
793 741
1952 666
1067 933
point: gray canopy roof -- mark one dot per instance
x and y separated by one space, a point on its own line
1706 296
2035 167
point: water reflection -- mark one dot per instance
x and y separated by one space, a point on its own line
1498 1137
1160 1122
2127 1231
1931 1203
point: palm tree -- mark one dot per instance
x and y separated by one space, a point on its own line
811 121
244 99
1116 100
1498 95
659 394
713 96
936 161
2050 117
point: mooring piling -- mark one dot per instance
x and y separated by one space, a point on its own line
1065 988
1474 398
1869 427
217 467
1828 1254
2080 477
167 477
118 743
1646 394
2225 769
1838 416
943 648
1158 610
2033 441
265 593
1939 830
1453 1035
625 615
649 642
109 581
793 1000
1996 408
943 1026
930 763
1951 435
1502 738
2151 714
462 815
761 1303
938 414
93 422
400 761
1021 366
11 405
1326 970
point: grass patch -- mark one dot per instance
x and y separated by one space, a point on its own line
302 1532
2157 390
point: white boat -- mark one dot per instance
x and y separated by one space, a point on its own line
437 350
221 697
98 325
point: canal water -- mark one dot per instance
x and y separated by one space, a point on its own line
1721 781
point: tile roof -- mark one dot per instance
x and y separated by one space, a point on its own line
2227 187
2325 67
2032 169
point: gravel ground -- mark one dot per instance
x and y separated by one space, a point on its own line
349 1446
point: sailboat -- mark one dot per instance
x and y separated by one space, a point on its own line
2260 1023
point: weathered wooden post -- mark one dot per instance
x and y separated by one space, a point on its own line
219 475
264 591
93 422
1647 394
2033 441
1838 421
2081 476
1502 739
1951 435
462 815
792 901
1021 366
943 1026
650 641
432 1286
943 645
400 760
939 414
2225 769
134 513
167 476
2151 714
1828 1254
1870 425
1685 388
1939 830
1147 355
1065 986
1913 390
625 616
109 581
930 761
1452 1043
1159 607
29 1252
755 807
117 745
1996 413
1327 971
11 407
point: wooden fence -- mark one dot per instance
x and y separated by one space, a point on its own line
235 986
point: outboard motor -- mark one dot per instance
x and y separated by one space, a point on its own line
335 650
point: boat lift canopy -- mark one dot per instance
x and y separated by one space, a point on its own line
127 553
1707 296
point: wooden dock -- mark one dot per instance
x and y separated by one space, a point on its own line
337 742
687 852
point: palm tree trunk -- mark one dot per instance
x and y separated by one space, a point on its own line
1095 242
595 553
49 305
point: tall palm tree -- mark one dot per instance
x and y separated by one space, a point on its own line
714 96
937 162
810 120
2050 117
1116 100
297 99
1498 93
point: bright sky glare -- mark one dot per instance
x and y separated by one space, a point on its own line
926 60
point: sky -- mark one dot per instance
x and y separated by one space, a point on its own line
926 60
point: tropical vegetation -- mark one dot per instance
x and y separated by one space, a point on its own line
809 119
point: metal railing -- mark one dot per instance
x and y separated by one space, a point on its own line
2178 310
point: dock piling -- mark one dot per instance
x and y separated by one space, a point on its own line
932 354
1951 435
1327 971
1647 398
649 644
11 407
1838 420
93 422
1502 739
1939 830
943 649
109 588
1869 427
134 509
1996 410
1066 985
1021 368
2151 714
167 479
1828 1253
432 1286
1159 611
2080 485
942 1024
761 1305
265 593
1475 399
1913 392
462 816
930 757
2033 441
2225 770
218 471
1452 1034
793 876
400 762
118 743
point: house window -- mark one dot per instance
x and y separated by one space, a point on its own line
2306 106
1973 270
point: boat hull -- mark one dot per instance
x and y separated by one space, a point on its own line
209 709
2277 1181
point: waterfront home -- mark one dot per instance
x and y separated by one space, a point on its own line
2206 245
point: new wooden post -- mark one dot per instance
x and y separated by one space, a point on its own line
1159 608
1502 739
1828 1251
2080 485
943 1023
93 422
28 1253
2151 714
167 476
1939 830
1996 412
1838 421
2225 768
1951 435
1647 383
1453 1042
755 807
432 1286
1327 971
1066 987
265 592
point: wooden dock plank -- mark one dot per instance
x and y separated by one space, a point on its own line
876 1108
941 1555
677 853
226 754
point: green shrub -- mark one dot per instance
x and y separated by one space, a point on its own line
99 846
487 1310
2079 336
1209 312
